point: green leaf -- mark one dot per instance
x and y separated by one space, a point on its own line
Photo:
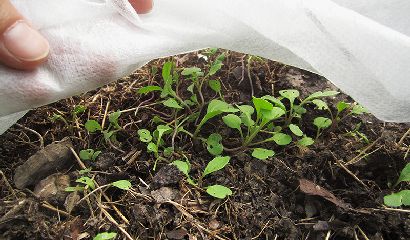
87 181
290 94
163 129
108 134
214 144
404 175
359 109
145 135
247 112
232 121
219 191
95 155
166 72
86 154
113 118
92 126
320 94
220 57
105 236
192 71
246 109
306 141
220 106
215 85
172 103
168 151
295 130
262 153
398 199
274 113
342 106
152 147
122 184
320 104
190 88
282 139
216 164
79 109
275 101
182 166
84 171
74 189
261 104
322 122
299 110
148 89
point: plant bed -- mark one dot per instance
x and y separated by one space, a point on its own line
209 145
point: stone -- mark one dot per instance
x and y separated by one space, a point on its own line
53 187
53 158
164 194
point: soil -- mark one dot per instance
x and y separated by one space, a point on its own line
300 193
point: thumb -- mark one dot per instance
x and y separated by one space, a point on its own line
21 46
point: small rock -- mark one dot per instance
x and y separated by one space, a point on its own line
177 234
167 175
51 159
53 187
164 194
71 201
214 224
321 226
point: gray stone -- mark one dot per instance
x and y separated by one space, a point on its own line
53 158
53 188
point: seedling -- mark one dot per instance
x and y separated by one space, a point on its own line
321 123
218 163
402 197
348 109
262 154
214 144
154 141
77 110
89 154
109 134
105 236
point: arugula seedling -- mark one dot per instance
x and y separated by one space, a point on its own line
109 134
214 145
105 236
321 123
262 154
89 154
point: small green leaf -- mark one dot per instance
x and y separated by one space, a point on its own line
168 151
113 118
320 94
105 236
393 200
172 103
108 134
219 191
232 121
182 166
79 109
342 106
220 106
216 164
275 101
320 104
152 147
215 85
74 189
166 72
148 89
192 71
190 88
95 155
306 141
274 113
92 126
87 181
322 122
214 144
359 109
122 184
295 130
262 154
86 154
282 139
84 171
260 105
290 94
163 129
404 174
246 109
299 110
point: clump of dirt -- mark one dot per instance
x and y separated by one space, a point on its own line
332 190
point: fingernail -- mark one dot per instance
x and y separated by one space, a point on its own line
142 6
25 43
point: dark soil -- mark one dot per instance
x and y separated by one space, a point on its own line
346 201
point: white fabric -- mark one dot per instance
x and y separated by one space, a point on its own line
362 46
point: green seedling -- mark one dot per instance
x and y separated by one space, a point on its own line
262 154
216 86
357 134
348 109
122 184
402 197
215 107
154 141
321 123
77 110
105 236
89 154
109 134
214 144
218 163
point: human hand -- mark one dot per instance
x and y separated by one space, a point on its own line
22 46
